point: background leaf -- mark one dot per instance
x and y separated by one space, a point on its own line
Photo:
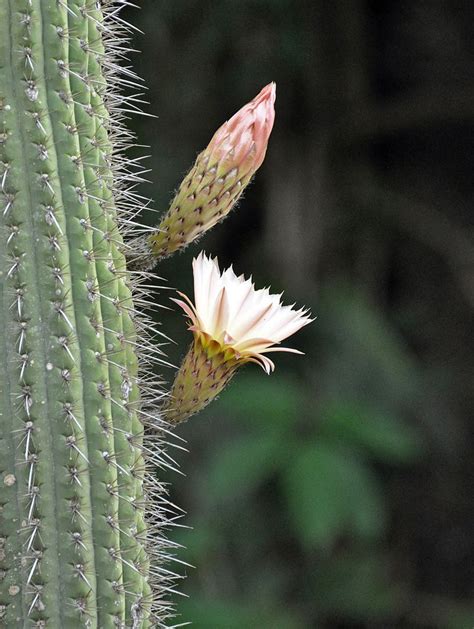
242 465
329 492
384 437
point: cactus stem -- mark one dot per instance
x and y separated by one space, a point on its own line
74 543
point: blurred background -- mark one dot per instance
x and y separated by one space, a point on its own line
337 493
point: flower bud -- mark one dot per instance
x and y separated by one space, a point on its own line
219 176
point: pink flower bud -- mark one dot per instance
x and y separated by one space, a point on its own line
219 175
241 142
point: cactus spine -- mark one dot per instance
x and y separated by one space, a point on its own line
74 544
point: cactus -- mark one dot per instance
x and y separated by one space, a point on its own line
75 542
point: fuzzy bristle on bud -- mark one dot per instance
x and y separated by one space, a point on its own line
233 324
219 176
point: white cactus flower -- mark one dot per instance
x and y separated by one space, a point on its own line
232 323
230 311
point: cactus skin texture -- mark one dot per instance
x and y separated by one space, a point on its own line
74 544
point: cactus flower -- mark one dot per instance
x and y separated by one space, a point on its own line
233 324
219 176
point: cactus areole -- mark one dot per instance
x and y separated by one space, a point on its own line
75 545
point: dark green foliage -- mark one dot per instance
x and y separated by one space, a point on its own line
329 492
363 208
294 501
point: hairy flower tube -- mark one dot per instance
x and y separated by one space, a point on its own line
219 176
233 324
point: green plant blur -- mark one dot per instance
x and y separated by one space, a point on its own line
336 493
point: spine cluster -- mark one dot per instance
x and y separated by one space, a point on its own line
75 545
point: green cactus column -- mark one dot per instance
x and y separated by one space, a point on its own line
72 524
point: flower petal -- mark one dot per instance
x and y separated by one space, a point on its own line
231 312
